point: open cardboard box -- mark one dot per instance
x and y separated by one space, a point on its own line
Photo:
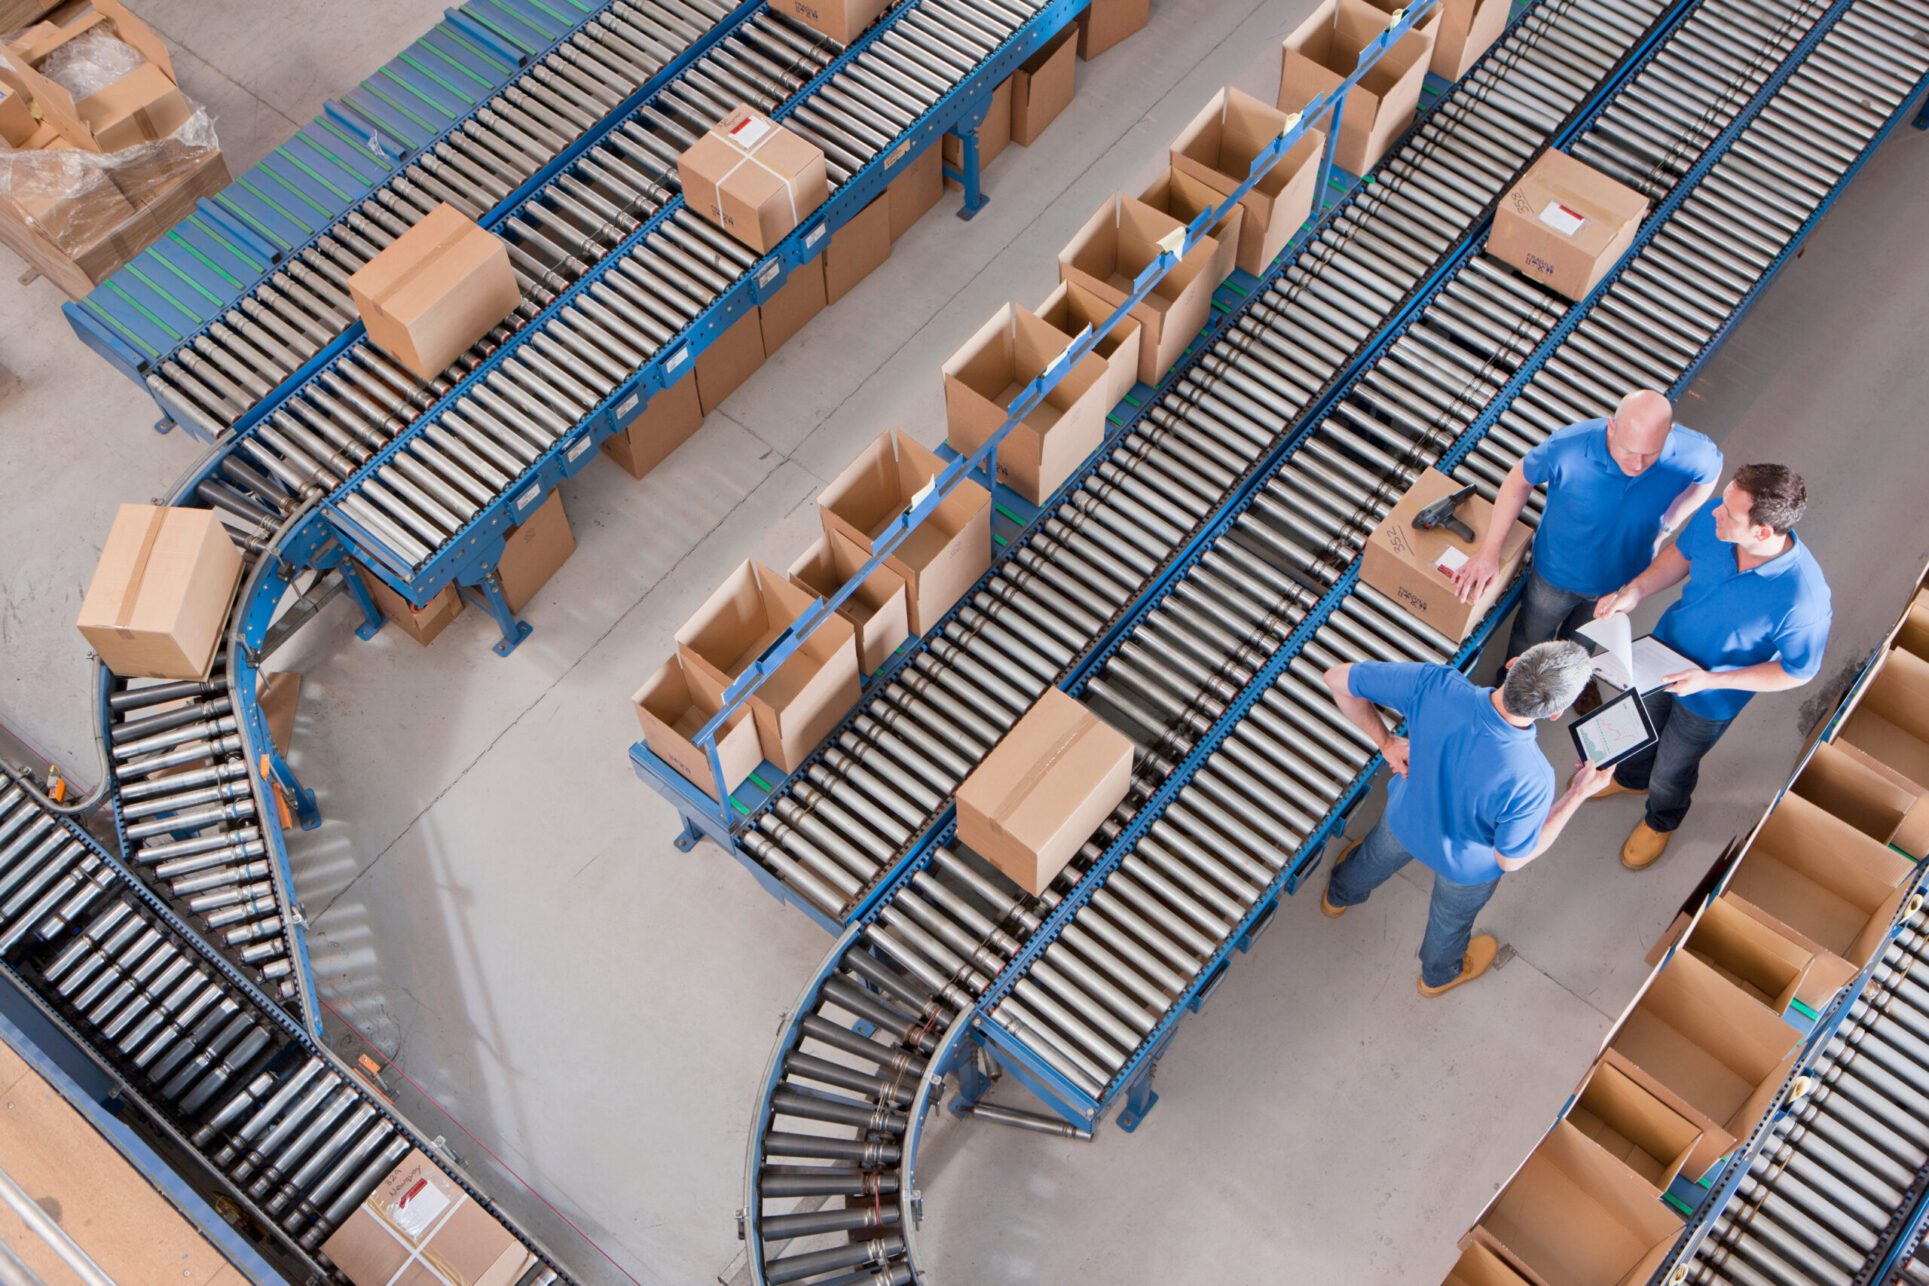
1867 795
1185 198
879 610
983 378
1072 309
1325 49
1218 149
1747 952
1119 242
672 711
1631 1123
142 106
1912 632
1888 723
1482 1263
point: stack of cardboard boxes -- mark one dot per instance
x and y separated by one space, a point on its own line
1788 916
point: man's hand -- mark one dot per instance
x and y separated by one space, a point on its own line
1689 682
1474 576
1618 603
1588 781
1394 751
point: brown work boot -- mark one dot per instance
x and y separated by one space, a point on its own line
1481 950
1614 787
1326 907
1588 701
1644 845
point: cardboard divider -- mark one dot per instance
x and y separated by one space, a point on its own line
1631 1124
1218 149
1120 241
1575 1215
1868 796
1072 308
982 379
1820 881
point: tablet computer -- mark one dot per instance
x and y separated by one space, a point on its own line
1614 730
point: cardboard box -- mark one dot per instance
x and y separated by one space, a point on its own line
806 696
1633 1126
17 123
1404 564
1750 954
857 249
800 298
1073 309
141 106
435 290
842 20
1912 632
1043 790
418 1227
879 610
421 624
667 421
1829 885
1106 22
1888 724
945 554
533 551
753 178
672 712
1185 199
1574 1215
994 132
1325 49
157 605
1043 87
1114 247
1467 28
278 693
1564 224
1880 804
732 358
982 379
1480 1264
917 189
1218 149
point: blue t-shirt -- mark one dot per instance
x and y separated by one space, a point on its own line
1598 529
1726 618
1475 784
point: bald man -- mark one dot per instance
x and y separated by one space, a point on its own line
1615 489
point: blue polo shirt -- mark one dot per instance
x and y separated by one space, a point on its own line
1726 618
1598 529
1475 784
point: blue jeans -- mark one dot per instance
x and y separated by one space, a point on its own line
1450 917
1671 767
1546 612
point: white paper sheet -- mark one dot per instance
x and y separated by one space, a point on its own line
1642 663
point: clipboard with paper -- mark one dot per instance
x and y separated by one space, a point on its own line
1642 664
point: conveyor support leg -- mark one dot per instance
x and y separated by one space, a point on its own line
488 596
372 618
968 175
1139 1099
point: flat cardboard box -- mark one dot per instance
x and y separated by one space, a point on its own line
857 249
915 191
842 20
672 712
158 602
799 299
435 290
1565 224
731 358
1750 954
1116 244
1325 49
945 554
753 178
668 420
806 696
1467 29
421 624
1576 1216
534 551
879 610
278 693
1481 1264
1889 723
1043 87
1106 22
1633 1126
1041 792
1404 564
994 133
1185 199
1074 309
419 1228
1218 149
1841 781
1827 882
982 379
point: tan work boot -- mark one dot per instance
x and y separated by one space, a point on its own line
1616 788
1644 845
1481 950
1326 907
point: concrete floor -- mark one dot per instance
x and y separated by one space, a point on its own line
495 901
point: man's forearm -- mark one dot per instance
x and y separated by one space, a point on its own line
1668 569
1557 818
1763 676
1686 503
1365 716
1508 502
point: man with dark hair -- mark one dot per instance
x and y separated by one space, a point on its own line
1472 795
1753 617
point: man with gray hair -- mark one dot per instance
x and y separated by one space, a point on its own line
1472 795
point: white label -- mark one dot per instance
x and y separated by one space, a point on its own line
1450 561
768 273
750 131
812 237
577 447
677 358
1563 220
898 155
626 407
414 1211
529 499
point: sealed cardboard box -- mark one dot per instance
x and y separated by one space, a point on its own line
945 554
534 551
753 178
731 358
857 249
916 190
1633 1126
1043 87
791 308
1043 790
1074 309
841 20
1118 243
1832 887
806 696
1106 22
1565 224
1219 148
983 378
879 609
672 712
1412 567
435 290
162 586
1466 30
421 624
1878 803
667 421
1185 199
419 1227
1575 1215
994 132
1324 50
